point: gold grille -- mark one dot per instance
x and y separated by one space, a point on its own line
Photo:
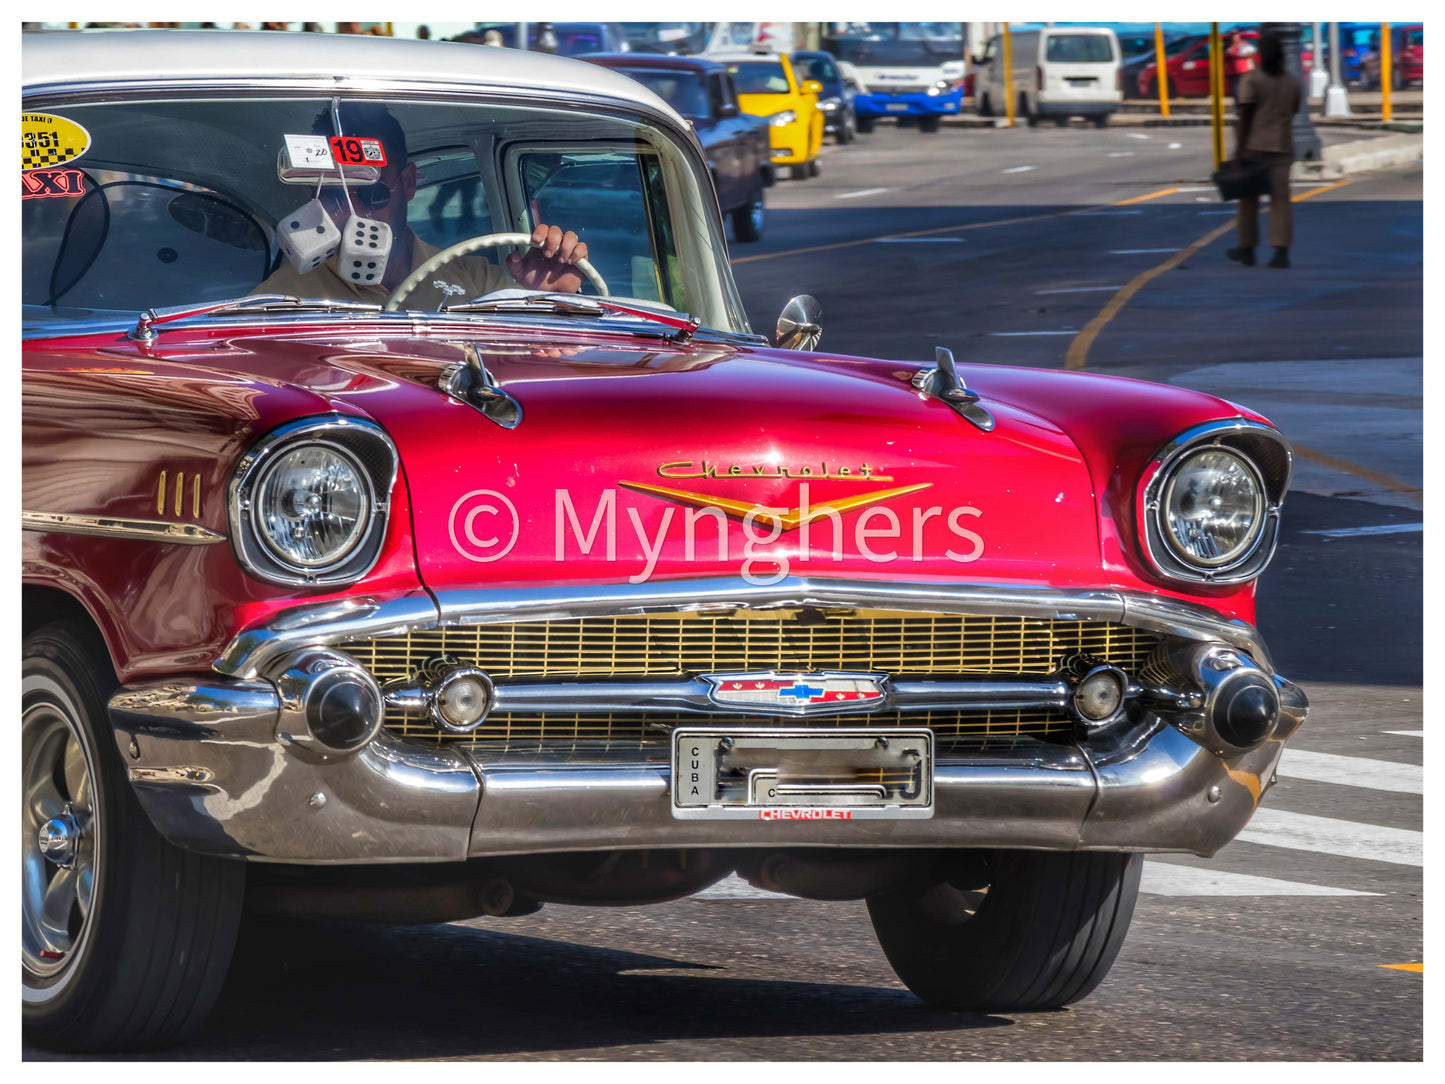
677 644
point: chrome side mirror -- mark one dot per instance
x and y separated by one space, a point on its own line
800 324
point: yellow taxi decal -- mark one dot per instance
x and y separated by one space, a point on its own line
47 141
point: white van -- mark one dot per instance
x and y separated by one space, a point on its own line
1061 72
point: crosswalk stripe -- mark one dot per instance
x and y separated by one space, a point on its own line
1166 879
1325 835
1407 733
1352 771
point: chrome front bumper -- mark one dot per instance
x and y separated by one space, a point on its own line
216 774
210 772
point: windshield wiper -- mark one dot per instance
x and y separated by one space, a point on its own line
144 330
683 325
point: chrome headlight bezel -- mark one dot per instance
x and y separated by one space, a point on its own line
1264 453
365 446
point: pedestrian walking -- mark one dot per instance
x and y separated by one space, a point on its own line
1269 97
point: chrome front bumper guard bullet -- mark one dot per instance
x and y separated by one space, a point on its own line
209 770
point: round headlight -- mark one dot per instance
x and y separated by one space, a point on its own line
1212 509
311 505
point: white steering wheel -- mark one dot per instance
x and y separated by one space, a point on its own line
463 248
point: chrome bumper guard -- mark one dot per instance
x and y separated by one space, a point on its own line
217 772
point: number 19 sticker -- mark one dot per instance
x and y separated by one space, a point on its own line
47 141
358 151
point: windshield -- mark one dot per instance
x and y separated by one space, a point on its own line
884 45
1079 49
684 91
1175 48
180 202
759 77
1415 37
815 67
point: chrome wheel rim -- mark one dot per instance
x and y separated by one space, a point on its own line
756 213
58 836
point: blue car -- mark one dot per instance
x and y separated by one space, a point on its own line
840 119
1356 39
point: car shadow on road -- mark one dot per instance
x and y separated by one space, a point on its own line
349 991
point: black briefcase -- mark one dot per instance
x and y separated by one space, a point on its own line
1240 178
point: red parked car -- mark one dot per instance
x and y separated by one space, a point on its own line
419 601
1187 64
1407 67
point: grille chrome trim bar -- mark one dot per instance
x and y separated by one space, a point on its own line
249 651
642 697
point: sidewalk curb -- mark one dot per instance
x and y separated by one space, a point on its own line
1360 156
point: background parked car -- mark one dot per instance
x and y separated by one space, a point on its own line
1188 65
1356 39
573 39
836 99
768 86
736 144
1137 60
1407 62
679 39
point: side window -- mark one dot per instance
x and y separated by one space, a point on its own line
450 192
726 95
615 202
990 51
715 95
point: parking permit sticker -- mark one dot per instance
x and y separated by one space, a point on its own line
47 141
309 152
358 151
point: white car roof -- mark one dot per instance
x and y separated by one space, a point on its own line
103 56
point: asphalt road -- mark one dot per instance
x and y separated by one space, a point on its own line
1278 948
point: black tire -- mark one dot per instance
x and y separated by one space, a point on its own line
814 168
1030 118
798 173
865 125
983 107
1101 120
1044 934
1061 122
928 124
147 946
749 218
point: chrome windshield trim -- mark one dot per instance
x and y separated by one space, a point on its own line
144 530
250 649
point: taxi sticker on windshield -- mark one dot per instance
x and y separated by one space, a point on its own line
358 151
308 152
47 141
50 183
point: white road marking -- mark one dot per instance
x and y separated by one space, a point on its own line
864 192
1017 334
1122 154
915 240
1383 528
1325 835
1352 771
1080 290
733 887
1199 188
1018 169
1166 879
1136 135
1175 146
1407 733
1138 251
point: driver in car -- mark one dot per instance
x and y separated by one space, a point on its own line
550 266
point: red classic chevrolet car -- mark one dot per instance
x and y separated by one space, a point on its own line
364 577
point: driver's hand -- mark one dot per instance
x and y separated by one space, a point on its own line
549 266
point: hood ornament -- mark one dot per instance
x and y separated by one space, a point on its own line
473 384
945 384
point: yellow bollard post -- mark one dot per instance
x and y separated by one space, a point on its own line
1161 73
1216 91
1386 59
1008 75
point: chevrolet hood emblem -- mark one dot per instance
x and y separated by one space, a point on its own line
788 520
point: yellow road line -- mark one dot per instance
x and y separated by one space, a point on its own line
1078 355
1406 967
1151 195
1390 482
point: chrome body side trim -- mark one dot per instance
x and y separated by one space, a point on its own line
142 530
249 650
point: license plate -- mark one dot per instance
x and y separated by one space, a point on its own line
1082 82
757 773
897 107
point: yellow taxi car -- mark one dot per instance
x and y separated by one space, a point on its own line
768 86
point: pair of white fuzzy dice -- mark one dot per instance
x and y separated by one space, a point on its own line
365 246
308 237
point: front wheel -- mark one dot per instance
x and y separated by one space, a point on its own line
748 219
928 124
125 940
813 168
1020 931
865 125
